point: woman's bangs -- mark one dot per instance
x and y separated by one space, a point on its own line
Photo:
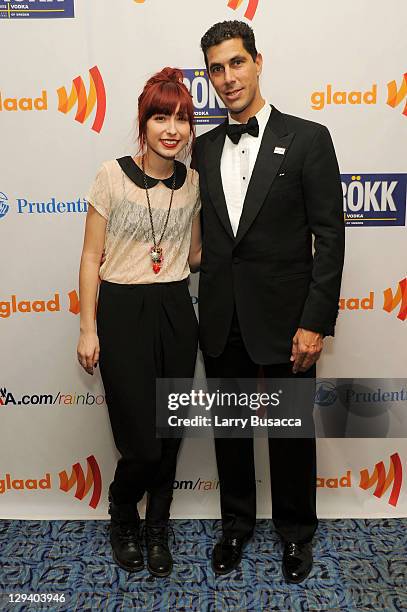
166 99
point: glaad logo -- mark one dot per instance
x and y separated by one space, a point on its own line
4 206
208 107
357 303
20 484
374 199
92 480
24 306
396 96
251 8
85 101
25 104
233 4
16 305
383 481
392 300
319 99
83 484
74 305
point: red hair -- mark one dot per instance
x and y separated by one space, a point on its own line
161 95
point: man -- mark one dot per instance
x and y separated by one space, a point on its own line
269 185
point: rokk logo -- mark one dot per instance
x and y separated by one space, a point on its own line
36 9
4 205
392 300
208 107
85 101
384 481
395 95
374 199
83 484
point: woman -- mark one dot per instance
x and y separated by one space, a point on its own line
144 213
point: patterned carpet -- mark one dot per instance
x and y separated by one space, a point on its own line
358 565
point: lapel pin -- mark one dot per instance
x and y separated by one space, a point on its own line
279 150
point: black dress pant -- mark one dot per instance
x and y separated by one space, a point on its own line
292 460
145 332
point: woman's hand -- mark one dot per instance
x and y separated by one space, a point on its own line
88 351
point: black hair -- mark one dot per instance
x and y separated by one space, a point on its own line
225 30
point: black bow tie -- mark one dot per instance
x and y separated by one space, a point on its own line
235 130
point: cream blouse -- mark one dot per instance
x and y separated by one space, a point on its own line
118 194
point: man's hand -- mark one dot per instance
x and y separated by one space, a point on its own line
306 350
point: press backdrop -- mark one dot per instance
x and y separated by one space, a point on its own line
69 81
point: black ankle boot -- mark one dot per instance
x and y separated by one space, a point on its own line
125 536
159 559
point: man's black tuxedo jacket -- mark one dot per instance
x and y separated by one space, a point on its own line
268 272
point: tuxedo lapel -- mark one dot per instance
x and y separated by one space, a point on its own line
271 155
213 154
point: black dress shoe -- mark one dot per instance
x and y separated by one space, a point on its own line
125 541
227 554
159 559
297 561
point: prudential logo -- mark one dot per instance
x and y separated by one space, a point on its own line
4 205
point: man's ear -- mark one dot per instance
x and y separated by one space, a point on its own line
259 63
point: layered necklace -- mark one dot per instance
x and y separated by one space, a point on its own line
156 252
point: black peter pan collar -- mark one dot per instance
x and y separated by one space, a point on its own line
135 174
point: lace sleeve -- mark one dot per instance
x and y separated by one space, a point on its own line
197 205
99 195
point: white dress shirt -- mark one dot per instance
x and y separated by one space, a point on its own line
237 165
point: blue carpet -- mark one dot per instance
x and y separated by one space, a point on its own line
359 565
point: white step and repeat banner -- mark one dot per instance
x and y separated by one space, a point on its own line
69 81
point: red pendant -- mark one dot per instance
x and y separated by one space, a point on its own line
156 268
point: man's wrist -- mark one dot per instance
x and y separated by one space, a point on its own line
87 329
